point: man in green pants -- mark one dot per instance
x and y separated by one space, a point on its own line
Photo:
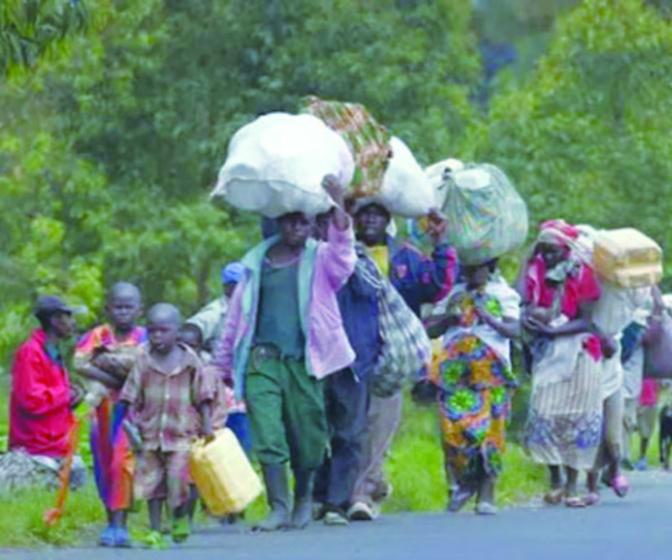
282 337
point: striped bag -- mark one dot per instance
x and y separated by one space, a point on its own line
406 348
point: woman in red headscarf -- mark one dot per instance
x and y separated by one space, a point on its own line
565 415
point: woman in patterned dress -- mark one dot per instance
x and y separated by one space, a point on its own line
474 378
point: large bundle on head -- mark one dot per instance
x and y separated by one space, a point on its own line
438 174
275 165
368 141
386 172
627 258
406 190
486 216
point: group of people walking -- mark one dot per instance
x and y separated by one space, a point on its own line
289 353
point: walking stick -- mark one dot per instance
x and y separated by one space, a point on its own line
53 516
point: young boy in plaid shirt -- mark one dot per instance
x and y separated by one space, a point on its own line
168 392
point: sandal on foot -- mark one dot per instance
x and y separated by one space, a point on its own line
620 485
181 530
574 502
554 497
154 541
122 539
459 498
107 536
591 499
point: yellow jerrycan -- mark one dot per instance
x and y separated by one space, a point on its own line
223 474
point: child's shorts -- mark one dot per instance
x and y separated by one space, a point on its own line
163 475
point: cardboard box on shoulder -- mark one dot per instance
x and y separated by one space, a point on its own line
223 474
627 258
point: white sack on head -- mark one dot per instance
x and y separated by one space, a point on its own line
275 165
406 190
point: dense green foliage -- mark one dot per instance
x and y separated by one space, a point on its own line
113 126
28 28
115 116
109 143
588 139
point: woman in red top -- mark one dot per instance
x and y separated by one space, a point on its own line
565 415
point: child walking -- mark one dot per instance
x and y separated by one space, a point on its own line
171 400
105 356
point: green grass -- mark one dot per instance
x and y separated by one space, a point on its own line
22 524
414 467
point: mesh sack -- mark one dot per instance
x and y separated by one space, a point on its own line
486 216
438 173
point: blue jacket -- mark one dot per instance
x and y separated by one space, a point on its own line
358 302
418 278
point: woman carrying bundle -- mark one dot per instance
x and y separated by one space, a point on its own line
474 379
565 416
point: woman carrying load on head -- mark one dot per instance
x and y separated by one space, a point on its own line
565 415
474 379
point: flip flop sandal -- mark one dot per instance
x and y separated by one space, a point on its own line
459 499
592 499
620 485
554 497
181 530
154 541
574 502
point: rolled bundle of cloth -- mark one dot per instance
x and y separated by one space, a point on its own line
275 165
369 141
386 171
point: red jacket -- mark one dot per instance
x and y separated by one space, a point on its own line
39 414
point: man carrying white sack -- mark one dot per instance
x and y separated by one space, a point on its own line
283 335
419 279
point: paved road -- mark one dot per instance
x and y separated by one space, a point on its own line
639 527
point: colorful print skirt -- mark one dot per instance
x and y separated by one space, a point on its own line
475 402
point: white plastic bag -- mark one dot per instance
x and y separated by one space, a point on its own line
275 165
